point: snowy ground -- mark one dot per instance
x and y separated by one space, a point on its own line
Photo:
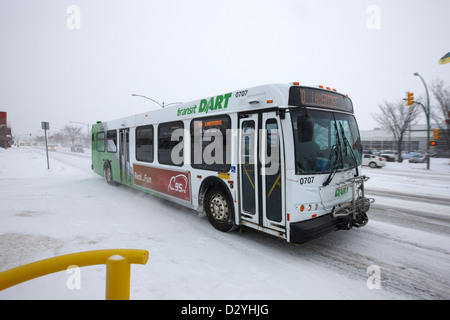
67 209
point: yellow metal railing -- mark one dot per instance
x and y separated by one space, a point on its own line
117 263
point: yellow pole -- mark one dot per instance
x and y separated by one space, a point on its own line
40 268
117 278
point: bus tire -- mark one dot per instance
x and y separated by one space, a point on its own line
219 209
108 174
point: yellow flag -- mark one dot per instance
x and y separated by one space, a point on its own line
445 59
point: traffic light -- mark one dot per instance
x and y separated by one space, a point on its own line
409 98
435 134
433 144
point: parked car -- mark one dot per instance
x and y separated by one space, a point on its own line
51 147
418 158
406 156
389 155
76 148
409 155
373 161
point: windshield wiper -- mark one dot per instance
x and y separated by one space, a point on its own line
347 145
336 150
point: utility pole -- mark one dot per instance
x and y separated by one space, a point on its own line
410 101
427 112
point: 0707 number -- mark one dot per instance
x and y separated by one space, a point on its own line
242 93
306 180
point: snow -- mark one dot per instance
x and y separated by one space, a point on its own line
68 208
411 177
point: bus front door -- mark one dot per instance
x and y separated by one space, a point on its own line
261 173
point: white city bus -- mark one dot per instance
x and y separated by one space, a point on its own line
284 159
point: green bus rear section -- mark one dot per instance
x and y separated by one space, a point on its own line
100 157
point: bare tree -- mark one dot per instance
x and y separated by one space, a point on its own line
397 118
57 138
440 111
72 133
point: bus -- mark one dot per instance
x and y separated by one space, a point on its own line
284 159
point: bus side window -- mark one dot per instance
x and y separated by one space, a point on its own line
209 143
144 143
165 143
111 141
101 141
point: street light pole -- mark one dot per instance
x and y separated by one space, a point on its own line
427 112
162 105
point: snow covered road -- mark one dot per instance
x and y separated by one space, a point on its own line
69 209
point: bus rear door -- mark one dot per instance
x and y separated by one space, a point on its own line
124 156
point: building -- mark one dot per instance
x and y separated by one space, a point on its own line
415 139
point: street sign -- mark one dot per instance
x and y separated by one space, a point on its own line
45 127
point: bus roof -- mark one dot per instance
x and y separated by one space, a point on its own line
254 98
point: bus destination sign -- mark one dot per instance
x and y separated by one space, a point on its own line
299 96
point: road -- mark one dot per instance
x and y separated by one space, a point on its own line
408 216
407 239
418 269
409 267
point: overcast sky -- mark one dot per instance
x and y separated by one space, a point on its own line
55 67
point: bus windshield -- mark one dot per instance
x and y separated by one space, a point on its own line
325 141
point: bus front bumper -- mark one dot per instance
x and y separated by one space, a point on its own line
343 216
305 231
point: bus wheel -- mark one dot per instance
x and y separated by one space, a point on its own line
219 210
108 174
